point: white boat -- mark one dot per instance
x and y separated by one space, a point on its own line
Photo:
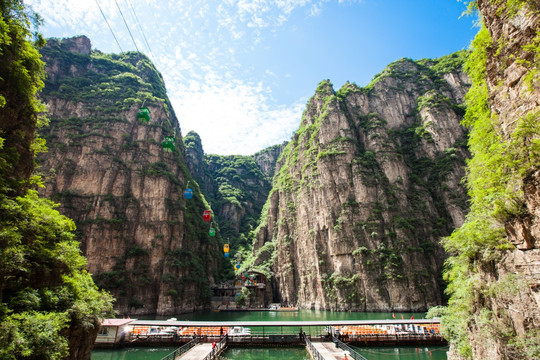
239 331
278 307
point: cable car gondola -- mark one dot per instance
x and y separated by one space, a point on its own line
168 143
188 193
207 215
212 231
143 114
226 248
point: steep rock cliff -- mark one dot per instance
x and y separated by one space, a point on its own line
267 159
366 188
144 242
494 309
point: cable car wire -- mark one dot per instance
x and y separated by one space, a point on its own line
112 32
127 27
140 27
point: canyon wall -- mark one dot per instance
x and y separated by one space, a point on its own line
365 190
122 180
494 272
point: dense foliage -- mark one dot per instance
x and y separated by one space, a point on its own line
45 292
494 180
236 186
239 183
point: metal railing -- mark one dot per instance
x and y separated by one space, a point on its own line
181 350
355 355
315 354
217 349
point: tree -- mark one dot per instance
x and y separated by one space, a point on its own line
48 301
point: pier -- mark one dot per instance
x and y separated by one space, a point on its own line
335 350
133 332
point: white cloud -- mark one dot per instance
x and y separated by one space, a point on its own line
233 117
195 45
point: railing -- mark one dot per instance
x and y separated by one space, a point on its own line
181 350
315 354
217 349
345 347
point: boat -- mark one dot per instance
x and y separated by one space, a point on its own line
278 307
239 331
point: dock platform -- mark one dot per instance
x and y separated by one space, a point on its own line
197 352
329 351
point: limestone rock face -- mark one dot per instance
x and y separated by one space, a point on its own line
514 97
365 190
267 159
108 170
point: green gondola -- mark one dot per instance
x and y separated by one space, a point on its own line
143 114
168 143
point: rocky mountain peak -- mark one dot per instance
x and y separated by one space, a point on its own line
345 227
79 44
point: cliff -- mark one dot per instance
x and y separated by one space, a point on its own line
122 180
493 273
237 187
365 190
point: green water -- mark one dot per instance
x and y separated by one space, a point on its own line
404 353
265 354
132 354
301 315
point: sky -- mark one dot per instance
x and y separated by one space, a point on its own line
240 72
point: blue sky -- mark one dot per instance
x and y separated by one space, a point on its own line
239 72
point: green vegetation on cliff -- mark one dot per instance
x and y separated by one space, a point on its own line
240 184
47 298
107 90
382 234
109 82
495 176
236 187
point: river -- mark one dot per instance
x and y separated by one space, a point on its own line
402 353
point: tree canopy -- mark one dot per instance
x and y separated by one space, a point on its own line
46 294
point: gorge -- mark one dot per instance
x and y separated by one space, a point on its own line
363 209
367 154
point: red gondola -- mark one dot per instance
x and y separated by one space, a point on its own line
207 215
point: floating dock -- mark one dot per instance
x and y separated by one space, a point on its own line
133 332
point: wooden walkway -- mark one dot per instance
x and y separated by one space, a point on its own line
329 351
198 352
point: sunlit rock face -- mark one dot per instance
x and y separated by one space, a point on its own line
108 170
365 190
